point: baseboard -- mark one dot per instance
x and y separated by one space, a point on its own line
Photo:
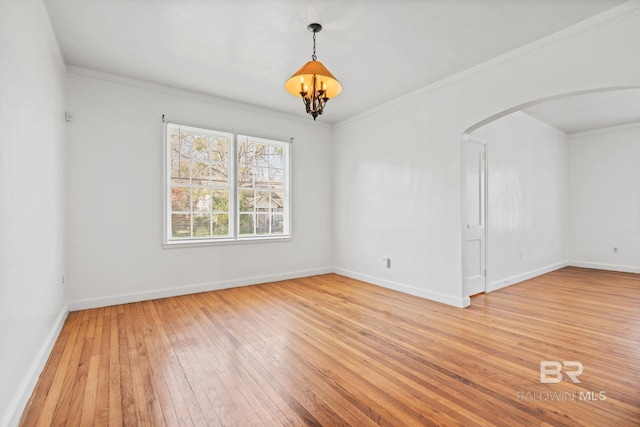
499 284
88 303
407 289
23 393
601 266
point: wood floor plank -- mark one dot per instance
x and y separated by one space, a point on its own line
143 393
88 405
62 404
206 397
185 405
159 373
237 380
223 367
328 350
281 411
150 376
115 396
266 346
83 382
50 383
101 410
127 397
241 337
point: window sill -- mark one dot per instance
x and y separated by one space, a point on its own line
242 241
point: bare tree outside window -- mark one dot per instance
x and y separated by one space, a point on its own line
211 197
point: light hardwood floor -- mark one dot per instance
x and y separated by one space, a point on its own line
328 350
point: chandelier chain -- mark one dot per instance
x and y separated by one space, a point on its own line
314 57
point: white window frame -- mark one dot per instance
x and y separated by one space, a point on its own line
234 205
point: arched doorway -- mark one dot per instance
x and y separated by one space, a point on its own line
525 183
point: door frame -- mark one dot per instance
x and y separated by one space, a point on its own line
463 209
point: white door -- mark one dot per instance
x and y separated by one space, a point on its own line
474 213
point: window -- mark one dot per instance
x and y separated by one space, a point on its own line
223 187
261 186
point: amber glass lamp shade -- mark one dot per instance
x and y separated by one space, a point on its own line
313 75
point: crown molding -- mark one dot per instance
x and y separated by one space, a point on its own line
542 123
46 18
630 127
80 73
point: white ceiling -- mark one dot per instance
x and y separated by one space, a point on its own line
244 50
591 111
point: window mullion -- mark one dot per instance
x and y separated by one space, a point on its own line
191 189
234 200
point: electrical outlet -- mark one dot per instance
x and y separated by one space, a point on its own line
386 262
615 250
62 281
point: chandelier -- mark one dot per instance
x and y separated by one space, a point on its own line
313 82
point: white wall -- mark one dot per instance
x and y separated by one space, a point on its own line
527 198
396 194
397 167
32 252
605 199
116 190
